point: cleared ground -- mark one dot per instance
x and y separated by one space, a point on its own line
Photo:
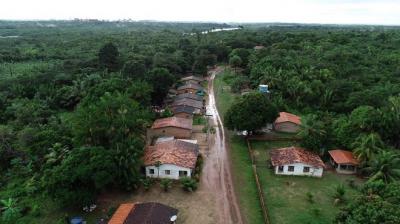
286 196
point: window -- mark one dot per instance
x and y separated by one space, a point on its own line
291 168
280 169
151 171
183 173
167 172
306 169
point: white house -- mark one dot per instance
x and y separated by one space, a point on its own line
171 159
296 161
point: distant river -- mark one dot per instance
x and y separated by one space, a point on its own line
4 37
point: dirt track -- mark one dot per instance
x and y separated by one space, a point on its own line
217 173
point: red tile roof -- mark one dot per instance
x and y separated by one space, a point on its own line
174 152
343 157
288 117
291 155
173 122
122 213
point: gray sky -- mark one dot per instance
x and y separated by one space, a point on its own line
300 11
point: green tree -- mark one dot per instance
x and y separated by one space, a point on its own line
385 166
161 80
366 146
10 210
313 133
235 62
250 112
108 57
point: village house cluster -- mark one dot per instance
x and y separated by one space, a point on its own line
302 162
171 152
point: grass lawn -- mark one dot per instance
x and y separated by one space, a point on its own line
286 195
243 179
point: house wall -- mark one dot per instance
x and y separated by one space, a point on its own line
160 172
288 127
172 131
298 170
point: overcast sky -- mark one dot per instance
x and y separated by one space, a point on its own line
300 11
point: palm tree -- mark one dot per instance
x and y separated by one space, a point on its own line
386 167
366 146
9 209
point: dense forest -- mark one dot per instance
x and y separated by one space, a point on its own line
76 98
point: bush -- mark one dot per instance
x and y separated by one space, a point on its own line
147 182
339 194
166 184
310 197
189 184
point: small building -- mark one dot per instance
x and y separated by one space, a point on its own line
184 111
171 159
287 122
189 96
192 79
296 161
144 213
188 102
172 126
343 161
190 88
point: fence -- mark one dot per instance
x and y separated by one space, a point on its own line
259 188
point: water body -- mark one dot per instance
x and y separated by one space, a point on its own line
6 37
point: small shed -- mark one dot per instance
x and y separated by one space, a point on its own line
287 122
343 161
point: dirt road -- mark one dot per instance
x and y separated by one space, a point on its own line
217 173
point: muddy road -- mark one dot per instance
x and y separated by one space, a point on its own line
217 172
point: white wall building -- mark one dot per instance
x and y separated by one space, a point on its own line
296 161
168 171
171 159
299 169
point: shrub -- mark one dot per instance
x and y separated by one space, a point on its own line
310 197
189 184
339 193
147 182
166 184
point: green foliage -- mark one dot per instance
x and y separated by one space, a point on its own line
81 175
166 184
313 133
250 112
385 166
379 203
188 184
10 211
310 197
147 183
108 57
339 194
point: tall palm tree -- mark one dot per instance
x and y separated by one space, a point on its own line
366 146
386 167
